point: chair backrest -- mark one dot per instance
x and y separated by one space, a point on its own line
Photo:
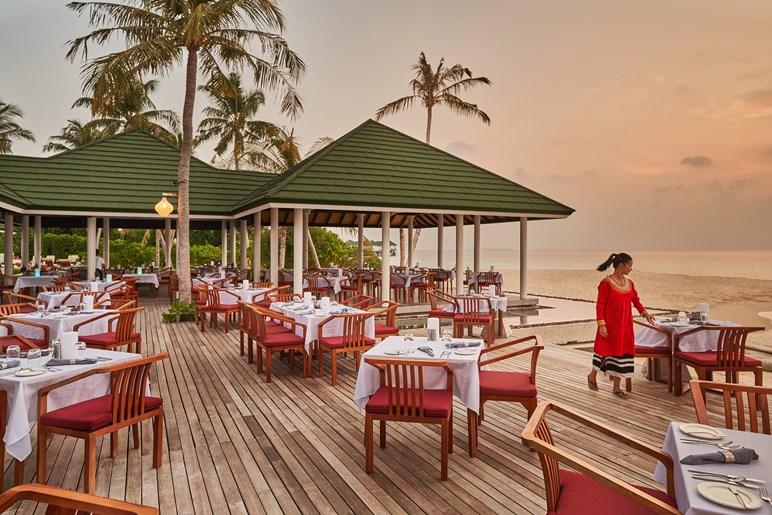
125 325
755 420
487 278
357 301
128 382
263 284
730 351
387 309
284 297
473 308
15 309
353 328
212 293
66 502
435 297
404 380
397 281
55 288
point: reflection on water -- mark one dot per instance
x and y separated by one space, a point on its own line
552 311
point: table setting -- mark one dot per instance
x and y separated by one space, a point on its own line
58 321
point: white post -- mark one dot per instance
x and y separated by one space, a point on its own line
361 240
233 243
476 243
275 246
25 241
91 247
440 237
410 261
8 247
244 244
305 238
459 254
106 241
256 256
385 255
523 257
297 243
37 241
224 242
168 238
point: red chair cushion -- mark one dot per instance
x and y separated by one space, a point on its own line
584 496
386 329
336 342
41 343
222 307
483 319
276 329
22 345
441 313
104 338
264 303
651 350
90 415
509 384
282 339
706 359
437 403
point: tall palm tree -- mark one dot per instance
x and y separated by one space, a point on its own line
75 135
231 119
203 34
433 88
10 130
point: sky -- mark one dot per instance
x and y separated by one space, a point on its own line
650 118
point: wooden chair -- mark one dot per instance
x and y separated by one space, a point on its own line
278 341
249 330
7 282
15 309
756 399
125 405
441 279
173 287
263 284
588 487
7 323
214 306
353 286
318 286
283 297
114 304
56 288
388 310
503 385
239 276
486 279
123 334
266 301
75 298
422 285
436 301
471 312
398 290
67 502
654 355
18 298
357 301
398 402
729 356
165 279
353 340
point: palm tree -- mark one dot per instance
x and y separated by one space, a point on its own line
231 119
434 88
9 129
206 35
75 135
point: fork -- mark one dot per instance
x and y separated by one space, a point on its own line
764 494
723 445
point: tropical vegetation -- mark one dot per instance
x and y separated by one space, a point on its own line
74 135
10 130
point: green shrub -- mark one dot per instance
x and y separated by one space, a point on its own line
63 245
130 255
201 255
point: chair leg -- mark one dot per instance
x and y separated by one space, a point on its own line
759 375
444 452
319 358
259 360
267 366
334 365
629 384
383 434
158 439
250 350
678 387
241 343
450 432
135 435
42 445
89 466
471 423
369 443
18 472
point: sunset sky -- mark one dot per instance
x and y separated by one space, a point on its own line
650 118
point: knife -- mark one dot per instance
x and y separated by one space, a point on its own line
739 497
726 476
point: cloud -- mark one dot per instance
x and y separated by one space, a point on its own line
460 148
521 174
698 161
755 104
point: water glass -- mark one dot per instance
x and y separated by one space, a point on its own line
12 352
409 337
40 307
32 354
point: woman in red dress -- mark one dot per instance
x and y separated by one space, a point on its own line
614 349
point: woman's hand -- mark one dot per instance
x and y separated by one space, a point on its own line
649 318
603 331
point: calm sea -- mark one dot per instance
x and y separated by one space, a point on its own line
747 264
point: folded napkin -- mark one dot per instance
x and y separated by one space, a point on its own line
459 345
10 364
61 362
741 456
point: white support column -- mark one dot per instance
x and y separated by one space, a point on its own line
459 254
305 238
410 220
224 242
25 241
275 246
385 255
91 247
257 247
523 257
440 239
244 244
476 243
37 240
361 240
233 243
8 247
106 241
168 239
297 244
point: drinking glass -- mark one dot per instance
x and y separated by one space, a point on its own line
40 308
32 354
12 352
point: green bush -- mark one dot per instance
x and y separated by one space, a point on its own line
130 255
63 245
201 255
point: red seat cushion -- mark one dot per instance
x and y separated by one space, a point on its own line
22 345
264 303
584 496
437 403
483 319
275 329
386 329
282 339
222 307
90 415
651 350
509 384
706 359
336 342
104 338
441 313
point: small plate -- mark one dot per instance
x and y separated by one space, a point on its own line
465 352
29 372
701 431
396 352
719 493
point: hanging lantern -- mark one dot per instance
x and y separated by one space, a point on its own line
164 207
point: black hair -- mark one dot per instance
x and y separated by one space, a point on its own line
614 259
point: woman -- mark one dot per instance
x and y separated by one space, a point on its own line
615 340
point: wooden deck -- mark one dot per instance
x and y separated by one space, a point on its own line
235 444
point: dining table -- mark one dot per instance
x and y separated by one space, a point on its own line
144 278
22 392
55 299
250 295
701 341
688 498
98 285
499 305
58 322
30 281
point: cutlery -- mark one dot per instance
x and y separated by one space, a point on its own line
737 494
101 358
727 476
725 481
8 372
721 445
765 495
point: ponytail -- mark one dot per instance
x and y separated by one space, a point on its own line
604 266
614 259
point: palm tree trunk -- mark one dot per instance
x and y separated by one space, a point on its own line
158 247
314 254
428 125
183 178
282 245
402 247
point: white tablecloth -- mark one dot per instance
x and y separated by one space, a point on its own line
312 322
701 341
23 395
55 299
499 304
145 278
249 295
30 281
690 502
98 285
466 375
58 324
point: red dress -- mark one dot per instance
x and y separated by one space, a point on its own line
614 307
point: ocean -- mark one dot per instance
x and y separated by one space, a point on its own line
745 264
